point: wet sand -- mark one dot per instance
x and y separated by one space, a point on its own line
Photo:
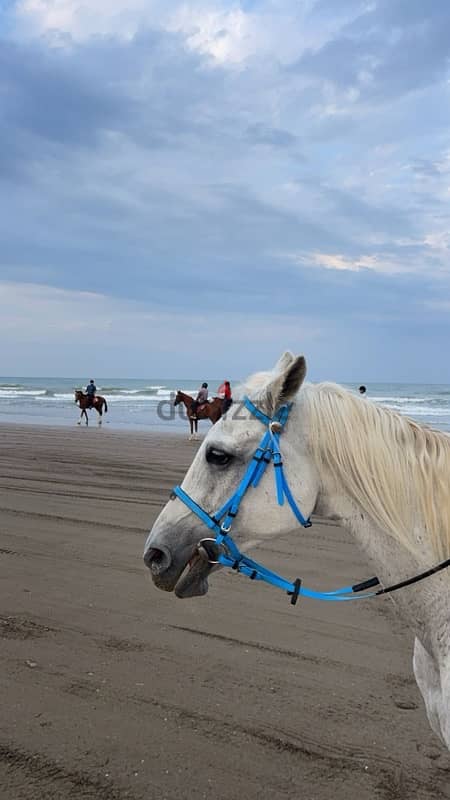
111 689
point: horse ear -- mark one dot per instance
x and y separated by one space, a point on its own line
286 384
284 361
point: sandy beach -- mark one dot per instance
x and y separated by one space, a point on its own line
111 689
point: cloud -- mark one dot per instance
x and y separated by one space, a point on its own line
337 261
43 96
227 33
62 324
372 53
266 167
260 134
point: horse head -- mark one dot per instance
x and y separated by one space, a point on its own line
178 398
214 476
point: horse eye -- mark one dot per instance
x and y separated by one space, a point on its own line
216 456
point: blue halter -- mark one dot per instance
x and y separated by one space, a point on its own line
223 550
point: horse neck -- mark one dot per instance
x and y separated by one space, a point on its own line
423 604
361 453
186 399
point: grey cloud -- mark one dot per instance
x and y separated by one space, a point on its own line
396 48
419 58
338 61
406 13
43 96
376 218
262 134
426 168
151 90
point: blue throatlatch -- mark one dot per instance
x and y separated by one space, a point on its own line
223 550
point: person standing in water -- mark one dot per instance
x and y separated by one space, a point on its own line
362 391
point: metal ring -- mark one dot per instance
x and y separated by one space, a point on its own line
275 426
202 551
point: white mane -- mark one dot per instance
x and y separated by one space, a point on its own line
393 467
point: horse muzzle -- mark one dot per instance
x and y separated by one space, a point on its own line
187 572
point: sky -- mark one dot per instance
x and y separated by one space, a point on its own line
191 188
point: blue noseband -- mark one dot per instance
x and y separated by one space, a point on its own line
223 550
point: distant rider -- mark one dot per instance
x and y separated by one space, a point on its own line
202 397
227 398
90 391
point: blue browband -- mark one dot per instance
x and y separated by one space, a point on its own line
223 550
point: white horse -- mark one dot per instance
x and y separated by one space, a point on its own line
383 476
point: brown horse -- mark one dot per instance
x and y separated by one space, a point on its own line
211 410
85 402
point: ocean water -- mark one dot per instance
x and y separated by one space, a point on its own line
132 403
148 403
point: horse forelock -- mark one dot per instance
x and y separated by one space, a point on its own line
255 387
394 468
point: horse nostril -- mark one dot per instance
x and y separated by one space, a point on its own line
157 560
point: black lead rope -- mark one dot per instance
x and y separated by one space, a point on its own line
360 587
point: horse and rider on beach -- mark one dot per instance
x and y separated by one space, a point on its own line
201 407
90 399
197 408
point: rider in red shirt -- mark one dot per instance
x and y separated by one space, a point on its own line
227 397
